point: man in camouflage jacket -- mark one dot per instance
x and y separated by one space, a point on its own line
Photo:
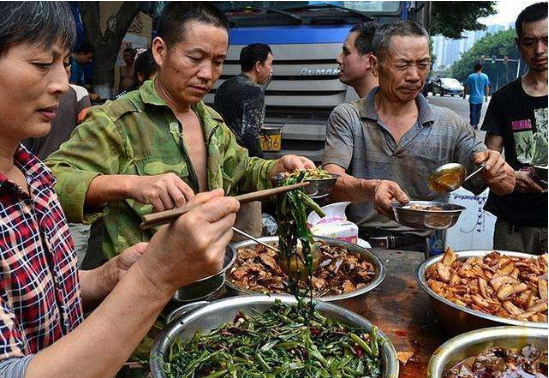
152 149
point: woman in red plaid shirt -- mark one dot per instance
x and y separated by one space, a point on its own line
42 294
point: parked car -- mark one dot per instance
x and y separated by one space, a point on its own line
447 86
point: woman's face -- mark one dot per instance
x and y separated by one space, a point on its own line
32 79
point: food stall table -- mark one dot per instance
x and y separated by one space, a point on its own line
399 308
403 312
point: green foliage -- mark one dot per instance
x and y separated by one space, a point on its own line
499 44
451 18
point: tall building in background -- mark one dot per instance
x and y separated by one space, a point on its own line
448 51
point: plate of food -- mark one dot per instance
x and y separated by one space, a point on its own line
321 182
427 215
497 352
345 270
475 289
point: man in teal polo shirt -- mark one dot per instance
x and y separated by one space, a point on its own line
478 85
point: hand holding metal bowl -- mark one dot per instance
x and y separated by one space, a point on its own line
321 182
427 215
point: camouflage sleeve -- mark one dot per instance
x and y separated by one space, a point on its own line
95 148
247 174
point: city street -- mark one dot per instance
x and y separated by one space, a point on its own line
460 106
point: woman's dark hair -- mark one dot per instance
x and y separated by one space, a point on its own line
251 54
176 15
38 22
532 13
145 64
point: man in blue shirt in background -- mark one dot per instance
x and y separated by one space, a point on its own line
479 87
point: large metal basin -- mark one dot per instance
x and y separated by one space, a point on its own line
352 248
215 314
472 343
459 319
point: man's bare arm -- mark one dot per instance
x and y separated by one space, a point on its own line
191 248
164 191
494 142
380 192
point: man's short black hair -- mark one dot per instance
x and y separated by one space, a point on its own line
366 32
478 67
381 44
38 22
174 17
145 64
251 54
84 48
130 50
532 13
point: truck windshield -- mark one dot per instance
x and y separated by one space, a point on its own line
258 13
362 6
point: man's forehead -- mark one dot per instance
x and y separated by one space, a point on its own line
350 40
534 29
203 48
408 47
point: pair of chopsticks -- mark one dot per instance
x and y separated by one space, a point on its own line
164 217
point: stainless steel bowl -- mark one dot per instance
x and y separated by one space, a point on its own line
352 248
427 219
317 188
206 286
472 343
458 319
215 314
320 188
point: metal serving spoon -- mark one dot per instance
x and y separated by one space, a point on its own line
449 177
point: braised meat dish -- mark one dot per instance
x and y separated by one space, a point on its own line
528 362
496 284
257 268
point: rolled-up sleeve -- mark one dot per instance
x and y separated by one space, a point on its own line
14 367
339 145
95 148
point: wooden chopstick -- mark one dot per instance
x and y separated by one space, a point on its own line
168 216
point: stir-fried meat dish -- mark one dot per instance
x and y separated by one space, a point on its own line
416 206
339 271
502 363
500 285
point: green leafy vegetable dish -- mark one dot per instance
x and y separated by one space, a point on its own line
278 343
285 341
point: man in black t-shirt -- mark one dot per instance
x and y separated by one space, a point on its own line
241 102
241 99
516 121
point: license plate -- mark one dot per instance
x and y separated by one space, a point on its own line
271 142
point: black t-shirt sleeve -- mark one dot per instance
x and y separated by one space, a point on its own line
494 120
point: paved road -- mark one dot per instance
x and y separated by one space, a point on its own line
460 106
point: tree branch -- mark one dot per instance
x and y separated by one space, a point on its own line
90 18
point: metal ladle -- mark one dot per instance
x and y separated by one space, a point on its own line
295 264
449 177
